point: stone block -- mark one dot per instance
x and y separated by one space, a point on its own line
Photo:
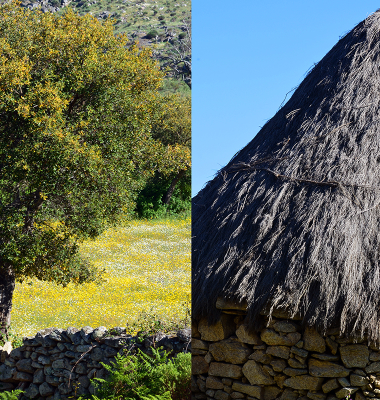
346 391
230 351
214 383
288 394
313 341
223 329
316 396
270 393
374 367
226 304
299 351
199 344
296 364
22 376
255 374
225 370
199 365
272 338
247 336
333 346
6 373
278 365
295 371
330 385
237 395
354 355
32 392
285 326
304 382
261 356
39 376
279 351
46 390
221 395
254 391
326 369
280 379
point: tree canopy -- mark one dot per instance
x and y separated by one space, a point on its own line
76 111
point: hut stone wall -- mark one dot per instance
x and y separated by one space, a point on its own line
282 361
58 364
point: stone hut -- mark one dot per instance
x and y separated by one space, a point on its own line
286 244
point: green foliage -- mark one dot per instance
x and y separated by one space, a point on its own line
13 395
149 203
142 377
152 34
12 337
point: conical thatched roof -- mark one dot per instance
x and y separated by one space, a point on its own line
293 221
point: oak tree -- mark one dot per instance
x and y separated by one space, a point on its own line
75 141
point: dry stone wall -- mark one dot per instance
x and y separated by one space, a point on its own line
58 364
282 361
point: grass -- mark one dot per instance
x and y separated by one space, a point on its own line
147 267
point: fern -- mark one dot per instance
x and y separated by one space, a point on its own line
13 395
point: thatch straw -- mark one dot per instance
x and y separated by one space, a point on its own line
293 221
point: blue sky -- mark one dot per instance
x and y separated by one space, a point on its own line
246 56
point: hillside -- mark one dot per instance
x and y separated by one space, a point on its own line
163 25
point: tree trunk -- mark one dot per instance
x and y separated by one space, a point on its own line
168 195
7 285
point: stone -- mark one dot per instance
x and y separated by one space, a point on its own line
117 341
230 351
294 371
279 351
46 390
83 348
81 368
272 338
255 374
254 391
269 370
330 385
99 333
327 369
374 367
237 395
44 360
214 383
225 370
226 304
32 392
270 393
221 395
299 352
285 326
280 379
25 366
296 364
56 335
194 330
210 393
360 372
346 391
359 396
6 386
325 357
354 355
261 356
343 382
219 331
304 382
313 341
60 364
52 380
288 394
84 381
184 335
96 354
7 348
208 357
357 380
278 365
333 346
374 356
227 381
316 396
199 344
16 354
197 352
39 376
247 336
6 372
199 365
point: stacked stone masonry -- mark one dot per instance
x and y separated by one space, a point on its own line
282 361
58 364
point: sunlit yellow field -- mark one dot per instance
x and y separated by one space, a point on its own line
148 268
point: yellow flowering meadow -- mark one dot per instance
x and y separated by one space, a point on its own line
148 269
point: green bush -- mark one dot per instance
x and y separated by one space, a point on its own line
161 17
152 34
149 203
141 377
182 35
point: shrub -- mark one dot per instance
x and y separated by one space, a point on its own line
152 34
141 377
13 395
161 17
182 35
